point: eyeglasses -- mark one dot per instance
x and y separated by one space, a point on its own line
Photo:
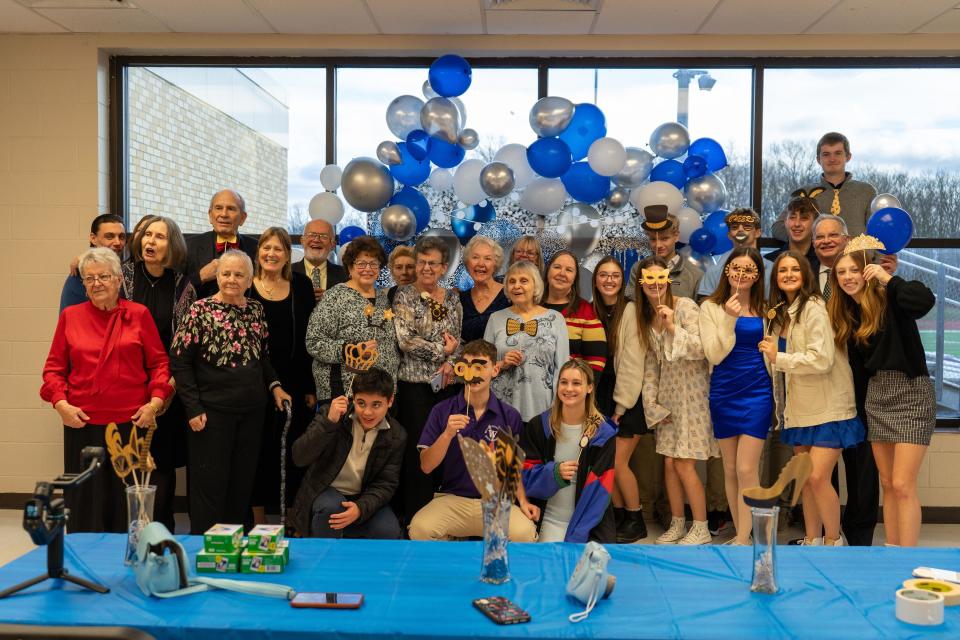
431 264
313 235
104 279
746 226
829 236
373 264
609 276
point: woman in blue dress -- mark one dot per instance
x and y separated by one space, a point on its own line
741 394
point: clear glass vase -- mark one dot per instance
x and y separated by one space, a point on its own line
496 529
765 549
139 514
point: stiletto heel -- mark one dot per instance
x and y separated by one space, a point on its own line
792 478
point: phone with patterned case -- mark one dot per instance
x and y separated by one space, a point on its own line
501 610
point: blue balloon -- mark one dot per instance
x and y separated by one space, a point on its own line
416 202
450 75
349 233
419 143
669 171
586 127
461 279
891 226
702 240
584 184
549 157
694 167
463 221
484 212
463 229
410 171
711 151
716 224
446 155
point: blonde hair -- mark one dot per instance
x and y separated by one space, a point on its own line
873 304
592 416
402 251
490 243
531 270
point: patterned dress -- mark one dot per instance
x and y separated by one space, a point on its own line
676 388
420 324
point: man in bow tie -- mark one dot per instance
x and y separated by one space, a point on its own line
227 214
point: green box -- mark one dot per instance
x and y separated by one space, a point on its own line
262 562
218 562
223 538
264 538
285 550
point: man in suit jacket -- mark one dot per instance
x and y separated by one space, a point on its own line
227 212
318 241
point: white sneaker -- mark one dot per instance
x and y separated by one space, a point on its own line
698 534
674 533
836 543
816 542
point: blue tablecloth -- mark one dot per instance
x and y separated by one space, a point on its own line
425 589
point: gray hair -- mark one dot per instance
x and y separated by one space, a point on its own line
490 243
823 217
239 255
531 270
100 255
432 243
235 194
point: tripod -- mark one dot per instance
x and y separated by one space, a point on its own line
44 518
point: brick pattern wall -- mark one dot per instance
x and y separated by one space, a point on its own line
182 151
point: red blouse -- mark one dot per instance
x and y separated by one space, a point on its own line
108 363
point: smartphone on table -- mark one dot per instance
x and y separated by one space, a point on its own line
501 610
322 600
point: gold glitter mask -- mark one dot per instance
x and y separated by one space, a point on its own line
651 277
741 273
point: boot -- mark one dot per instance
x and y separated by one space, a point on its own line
633 528
619 515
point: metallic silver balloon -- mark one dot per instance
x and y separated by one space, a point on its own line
469 139
388 152
617 197
428 91
439 117
706 194
635 170
580 227
453 247
551 115
670 140
403 115
398 222
366 185
496 179
884 200
461 109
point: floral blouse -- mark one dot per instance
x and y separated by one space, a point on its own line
421 321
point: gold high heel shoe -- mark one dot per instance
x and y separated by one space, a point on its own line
792 478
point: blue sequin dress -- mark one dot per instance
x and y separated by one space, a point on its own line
741 393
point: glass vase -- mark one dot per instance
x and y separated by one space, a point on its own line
765 549
139 514
496 529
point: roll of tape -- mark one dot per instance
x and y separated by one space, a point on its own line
917 606
949 591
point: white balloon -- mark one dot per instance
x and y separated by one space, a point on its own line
330 177
515 156
606 156
441 179
689 222
658 192
326 206
543 196
466 181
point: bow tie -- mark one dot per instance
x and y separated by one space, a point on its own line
515 326
223 246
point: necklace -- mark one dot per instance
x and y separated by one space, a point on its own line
268 292
153 283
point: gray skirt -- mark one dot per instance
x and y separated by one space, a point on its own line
900 409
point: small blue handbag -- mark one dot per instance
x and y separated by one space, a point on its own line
590 580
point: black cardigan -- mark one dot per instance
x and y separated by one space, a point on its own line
897 346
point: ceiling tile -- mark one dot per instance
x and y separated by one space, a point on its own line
16 18
671 17
105 20
948 22
880 16
208 16
765 17
540 22
316 16
428 16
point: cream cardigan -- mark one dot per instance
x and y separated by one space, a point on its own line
628 362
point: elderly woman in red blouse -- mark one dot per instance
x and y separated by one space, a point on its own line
106 364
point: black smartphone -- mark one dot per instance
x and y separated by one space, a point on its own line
501 610
327 600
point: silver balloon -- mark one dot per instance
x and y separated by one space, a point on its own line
635 170
366 184
586 283
706 194
617 197
439 117
496 180
551 115
469 139
453 247
670 140
403 115
428 91
388 152
580 227
884 200
398 222
461 109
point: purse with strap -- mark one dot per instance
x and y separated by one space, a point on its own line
590 580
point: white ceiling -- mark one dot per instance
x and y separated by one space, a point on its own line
445 17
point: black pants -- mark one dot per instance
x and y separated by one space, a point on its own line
222 462
859 517
99 504
266 488
169 452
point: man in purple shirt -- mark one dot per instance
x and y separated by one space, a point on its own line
455 511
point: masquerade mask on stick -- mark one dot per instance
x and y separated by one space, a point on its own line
655 278
741 273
